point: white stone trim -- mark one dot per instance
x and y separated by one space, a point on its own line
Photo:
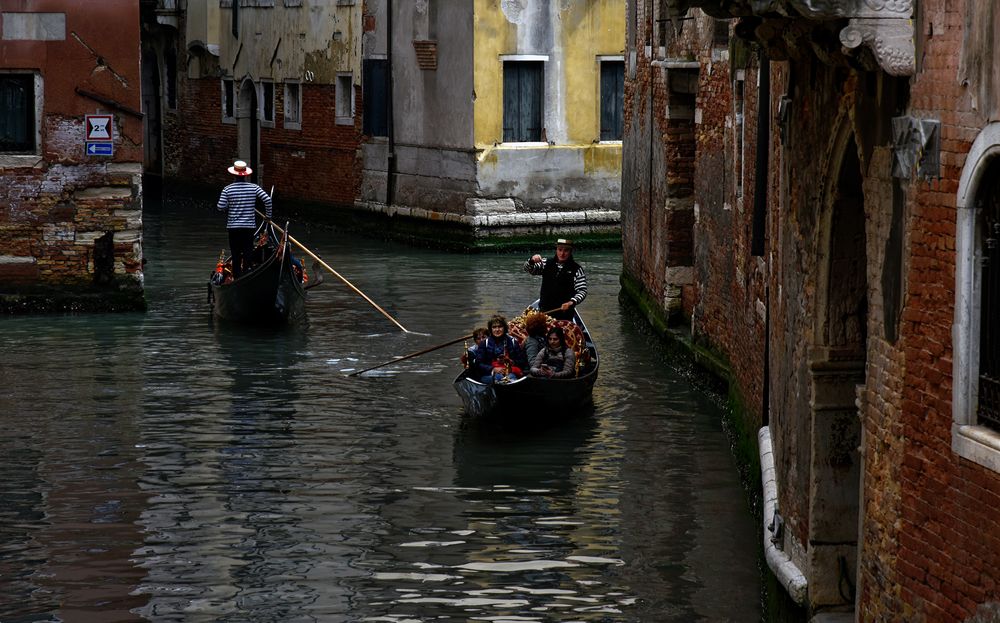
524 57
968 440
779 562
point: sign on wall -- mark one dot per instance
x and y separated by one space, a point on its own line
100 135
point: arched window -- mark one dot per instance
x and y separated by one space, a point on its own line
976 357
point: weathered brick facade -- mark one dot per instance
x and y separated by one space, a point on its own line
313 157
869 275
70 223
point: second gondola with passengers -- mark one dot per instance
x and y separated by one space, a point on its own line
558 381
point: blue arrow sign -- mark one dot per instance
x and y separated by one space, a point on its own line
100 149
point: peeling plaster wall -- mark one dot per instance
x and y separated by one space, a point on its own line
323 38
315 159
574 171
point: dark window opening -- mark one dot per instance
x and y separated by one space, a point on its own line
522 101
375 92
267 101
988 407
228 99
170 88
720 35
612 96
17 113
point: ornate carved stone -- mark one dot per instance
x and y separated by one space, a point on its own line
890 40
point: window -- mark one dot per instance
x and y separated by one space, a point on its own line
170 78
18 114
720 33
267 103
228 101
522 101
345 99
293 106
375 93
738 90
976 349
612 94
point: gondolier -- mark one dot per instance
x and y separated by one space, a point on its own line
564 283
239 200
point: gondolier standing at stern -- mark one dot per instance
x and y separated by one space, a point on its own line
564 284
239 200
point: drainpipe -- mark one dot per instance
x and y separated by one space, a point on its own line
779 562
390 171
786 572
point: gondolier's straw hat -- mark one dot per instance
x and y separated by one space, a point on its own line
240 168
564 242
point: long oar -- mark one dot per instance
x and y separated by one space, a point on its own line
336 274
412 355
426 350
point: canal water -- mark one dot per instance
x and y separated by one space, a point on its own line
164 466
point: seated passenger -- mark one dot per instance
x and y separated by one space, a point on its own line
498 357
556 360
469 356
534 326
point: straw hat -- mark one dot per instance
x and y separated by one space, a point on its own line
240 168
564 242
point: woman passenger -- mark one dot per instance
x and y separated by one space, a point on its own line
556 360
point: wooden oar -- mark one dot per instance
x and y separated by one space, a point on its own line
412 355
427 350
335 273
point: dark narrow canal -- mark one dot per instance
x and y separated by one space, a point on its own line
162 466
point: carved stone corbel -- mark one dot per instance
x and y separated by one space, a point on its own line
889 39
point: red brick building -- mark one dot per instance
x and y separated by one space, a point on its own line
276 84
839 266
70 156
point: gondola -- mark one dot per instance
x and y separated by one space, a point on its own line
536 399
273 292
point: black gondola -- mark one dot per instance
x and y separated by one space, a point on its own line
534 398
272 292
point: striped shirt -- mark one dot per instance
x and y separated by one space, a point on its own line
579 279
239 199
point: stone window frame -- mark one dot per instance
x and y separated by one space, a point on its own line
263 86
29 159
292 122
601 59
227 119
739 132
969 440
544 59
344 108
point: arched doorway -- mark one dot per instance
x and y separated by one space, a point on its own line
837 373
249 127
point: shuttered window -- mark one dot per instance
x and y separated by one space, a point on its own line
375 91
612 95
522 101
17 113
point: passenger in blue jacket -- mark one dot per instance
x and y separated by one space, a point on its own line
499 356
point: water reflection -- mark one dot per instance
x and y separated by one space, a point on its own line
167 467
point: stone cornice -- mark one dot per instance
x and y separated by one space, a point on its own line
884 27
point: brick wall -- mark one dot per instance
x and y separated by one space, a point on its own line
70 224
319 163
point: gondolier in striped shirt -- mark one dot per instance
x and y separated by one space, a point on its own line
239 200
564 284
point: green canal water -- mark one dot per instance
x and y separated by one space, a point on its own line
167 467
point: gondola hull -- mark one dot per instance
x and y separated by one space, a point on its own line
530 397
270 294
